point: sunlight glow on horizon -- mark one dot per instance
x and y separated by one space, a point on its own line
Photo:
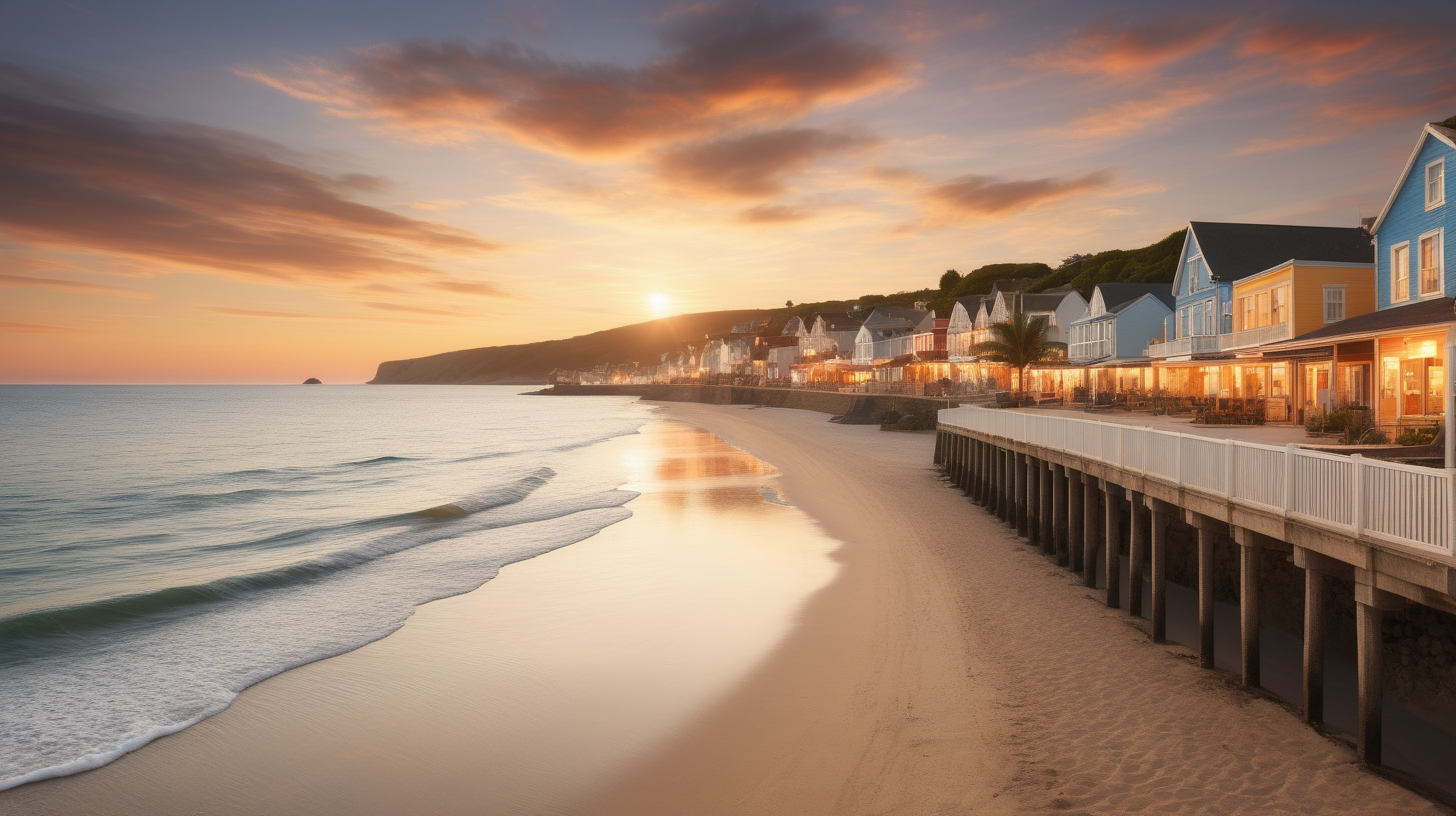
661 304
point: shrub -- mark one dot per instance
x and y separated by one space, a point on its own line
1416 436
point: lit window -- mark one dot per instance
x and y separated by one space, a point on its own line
1431 264
1400 273
1435 183
1334 304
1263 308
1279 309
1249 314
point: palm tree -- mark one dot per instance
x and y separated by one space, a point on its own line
1018 343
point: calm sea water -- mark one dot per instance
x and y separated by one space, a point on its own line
163 548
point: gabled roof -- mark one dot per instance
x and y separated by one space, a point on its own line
1441 132
1040 301
890 317
1117 296
1433 312
839 321
1233 251
972 304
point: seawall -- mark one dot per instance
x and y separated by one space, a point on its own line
825 402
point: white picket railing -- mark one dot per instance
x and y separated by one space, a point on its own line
1399 504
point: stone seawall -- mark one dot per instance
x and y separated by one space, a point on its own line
826 402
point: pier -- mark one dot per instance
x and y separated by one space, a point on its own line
1061 483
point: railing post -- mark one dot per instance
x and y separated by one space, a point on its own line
1228 468
1451 509
1359 510
1289 478
1178 458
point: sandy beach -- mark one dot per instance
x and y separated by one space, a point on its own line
881 646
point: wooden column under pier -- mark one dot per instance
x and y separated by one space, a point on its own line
1371 605
1137 552
1206 527
1034 467
1023 493
1251 559
1076 519
1059 512
1044 508
1090 501
1008 462
1160 512
1316 569
1112 538
983 465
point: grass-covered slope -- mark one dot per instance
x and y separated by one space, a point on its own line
645 343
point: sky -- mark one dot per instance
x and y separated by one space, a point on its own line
263 192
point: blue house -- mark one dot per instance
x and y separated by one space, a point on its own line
1121 318
1216 254
1412 259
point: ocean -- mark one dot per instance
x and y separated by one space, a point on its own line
162 548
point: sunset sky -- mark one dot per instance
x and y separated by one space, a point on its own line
266 191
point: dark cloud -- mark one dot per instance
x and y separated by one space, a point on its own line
727 66
987 197
79 175
754 165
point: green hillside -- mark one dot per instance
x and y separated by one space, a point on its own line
645 342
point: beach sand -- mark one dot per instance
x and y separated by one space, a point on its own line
882 647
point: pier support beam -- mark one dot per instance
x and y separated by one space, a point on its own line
1021 462
976 455
1059 512
1112 541
967 474
1077 519
1251 559
1371 605
1009 496
1160 511
1317 568
940 440
1206 528
1137 552
1090 500
1044 508
988 476
1034 467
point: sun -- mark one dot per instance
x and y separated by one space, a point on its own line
660 303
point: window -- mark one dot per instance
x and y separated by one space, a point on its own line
1334 304
1209 316
1249 318
1262 299
1198 319
1430 257
1400 273
1192 274
1435 184
1279 307
1183 320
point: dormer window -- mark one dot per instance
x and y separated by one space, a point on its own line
1192 273
1435 184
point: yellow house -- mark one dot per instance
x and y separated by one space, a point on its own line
1296 298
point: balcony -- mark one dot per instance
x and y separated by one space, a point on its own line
1183 346
1256 337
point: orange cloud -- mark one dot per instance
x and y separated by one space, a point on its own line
727 66
1135 50
754 165
32 328
775 214
70 286
983 197
1319 53
1136 114
78 175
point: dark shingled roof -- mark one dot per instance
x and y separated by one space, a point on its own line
1234 251
1040 301
1115 295
1431 312
840 321
971 302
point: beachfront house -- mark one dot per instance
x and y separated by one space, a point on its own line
889 332
834 333
1120 320
961 327
1392 359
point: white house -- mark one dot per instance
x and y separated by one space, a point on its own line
889 332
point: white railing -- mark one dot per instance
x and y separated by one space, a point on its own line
1197 344
1399 504
1256 337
